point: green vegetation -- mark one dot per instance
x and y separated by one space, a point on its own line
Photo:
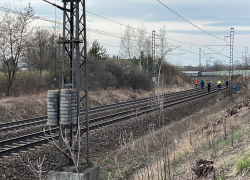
243 163
220 178
97 50
109 161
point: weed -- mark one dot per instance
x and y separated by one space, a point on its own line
142 159
109 161
220 178
243 163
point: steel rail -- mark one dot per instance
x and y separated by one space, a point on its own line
30 140
42 120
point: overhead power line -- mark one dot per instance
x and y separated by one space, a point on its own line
199 45
217 52
189 21
115 35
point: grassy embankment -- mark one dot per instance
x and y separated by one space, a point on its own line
171 152
29 106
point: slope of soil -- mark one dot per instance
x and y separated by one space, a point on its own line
218 134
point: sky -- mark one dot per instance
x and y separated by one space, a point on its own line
215 17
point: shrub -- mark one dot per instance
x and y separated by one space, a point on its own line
138 80
28 82
114 74
243 163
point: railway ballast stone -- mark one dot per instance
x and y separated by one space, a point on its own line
102 140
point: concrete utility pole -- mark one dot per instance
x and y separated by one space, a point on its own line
153 63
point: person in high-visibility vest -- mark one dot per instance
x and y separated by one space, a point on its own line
196 83
219 84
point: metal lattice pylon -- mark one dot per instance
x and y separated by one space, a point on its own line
74 60
153 63
246 63
231 62
200 66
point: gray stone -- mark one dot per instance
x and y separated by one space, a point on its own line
91 173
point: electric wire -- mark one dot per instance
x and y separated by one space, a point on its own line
217 52
189 21
150 33
52 21
102 32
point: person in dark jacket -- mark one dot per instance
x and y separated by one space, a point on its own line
202 84
208 86
226 83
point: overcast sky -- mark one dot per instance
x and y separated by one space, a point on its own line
214 16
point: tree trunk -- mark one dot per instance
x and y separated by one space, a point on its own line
11 75
40 78
159 75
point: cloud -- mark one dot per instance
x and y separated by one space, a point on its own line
91 3
149 15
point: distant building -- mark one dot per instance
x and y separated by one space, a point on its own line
22 66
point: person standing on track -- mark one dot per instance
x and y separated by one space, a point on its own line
226 83
219 84
208 86
235 89
196 83
202 84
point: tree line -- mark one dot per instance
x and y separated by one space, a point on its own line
20 41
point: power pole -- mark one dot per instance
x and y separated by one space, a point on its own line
231 63
246 63
200 65
242 68
74 66
153 63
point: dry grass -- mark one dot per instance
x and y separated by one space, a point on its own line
23 107
201 135
12 109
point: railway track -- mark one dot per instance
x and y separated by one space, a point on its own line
30 140
5 127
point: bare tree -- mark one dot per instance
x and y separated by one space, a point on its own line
14 31
162 51
148 48
141 43
36 167
127 43
40 48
